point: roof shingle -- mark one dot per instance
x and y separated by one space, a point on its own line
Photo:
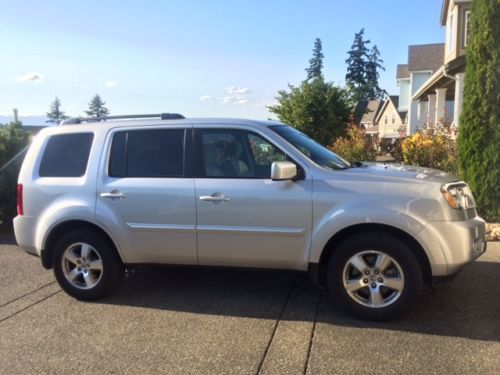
402 71
425 57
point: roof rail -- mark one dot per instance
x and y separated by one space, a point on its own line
162 116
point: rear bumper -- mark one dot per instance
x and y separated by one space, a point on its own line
25 232
461 242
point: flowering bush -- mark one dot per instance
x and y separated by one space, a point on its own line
432 148
355 146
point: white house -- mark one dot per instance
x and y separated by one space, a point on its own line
423 61
446 85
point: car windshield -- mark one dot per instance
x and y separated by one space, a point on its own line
310 148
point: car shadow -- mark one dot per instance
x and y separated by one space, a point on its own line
468 307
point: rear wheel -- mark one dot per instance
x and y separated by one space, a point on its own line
85 265
375 276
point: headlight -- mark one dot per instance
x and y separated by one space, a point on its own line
458 195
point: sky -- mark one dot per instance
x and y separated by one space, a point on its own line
200 58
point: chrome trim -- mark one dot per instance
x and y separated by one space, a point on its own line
160 227
272 231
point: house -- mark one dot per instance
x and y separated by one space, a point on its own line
390 120
370 112
423 61
447 82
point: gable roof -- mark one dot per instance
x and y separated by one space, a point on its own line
371 111
402 71
394 99
425 57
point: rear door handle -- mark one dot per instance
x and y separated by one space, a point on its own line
114 194
215 197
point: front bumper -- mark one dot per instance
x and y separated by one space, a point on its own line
461 242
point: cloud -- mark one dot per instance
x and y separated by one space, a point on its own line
235 90
208 98
235 95
111 84
234 100
29 77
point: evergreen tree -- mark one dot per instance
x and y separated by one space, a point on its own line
356 67
479 132
316 62
363 66
55 116
97 108
373 65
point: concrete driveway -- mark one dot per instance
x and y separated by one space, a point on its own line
172 320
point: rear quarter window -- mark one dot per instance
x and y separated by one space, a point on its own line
66 155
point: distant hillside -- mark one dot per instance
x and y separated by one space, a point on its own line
26 120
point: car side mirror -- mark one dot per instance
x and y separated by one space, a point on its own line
283 170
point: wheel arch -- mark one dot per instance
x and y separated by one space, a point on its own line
67 226
318 271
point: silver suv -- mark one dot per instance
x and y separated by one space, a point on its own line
97 197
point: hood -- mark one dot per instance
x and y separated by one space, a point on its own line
400 171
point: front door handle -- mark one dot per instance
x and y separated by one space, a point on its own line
215 197
114 194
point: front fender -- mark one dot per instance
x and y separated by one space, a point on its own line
339 219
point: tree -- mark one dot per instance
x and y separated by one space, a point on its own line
479 132
373 65
362 75
316 62
56 115
13 139
317 108
97 108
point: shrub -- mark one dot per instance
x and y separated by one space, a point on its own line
479 135
431 148
12 140
355 146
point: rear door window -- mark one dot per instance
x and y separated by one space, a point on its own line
66 155
148 153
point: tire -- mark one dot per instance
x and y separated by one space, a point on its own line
86 265
388 284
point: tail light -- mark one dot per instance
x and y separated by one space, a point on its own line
20 207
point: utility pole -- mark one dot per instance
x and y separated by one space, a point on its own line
15 115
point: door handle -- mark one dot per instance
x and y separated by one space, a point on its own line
215 197
114 194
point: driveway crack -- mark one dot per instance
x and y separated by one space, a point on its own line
280 316
29 306
313 331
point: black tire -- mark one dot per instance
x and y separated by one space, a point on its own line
106 279
382 243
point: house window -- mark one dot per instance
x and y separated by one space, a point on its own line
451 33
385 119
467 28
393 120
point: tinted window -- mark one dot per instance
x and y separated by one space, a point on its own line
147 153
235 154
66 155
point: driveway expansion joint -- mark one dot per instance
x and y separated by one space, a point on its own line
280 316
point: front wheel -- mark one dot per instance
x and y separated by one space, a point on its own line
375 277
85 265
